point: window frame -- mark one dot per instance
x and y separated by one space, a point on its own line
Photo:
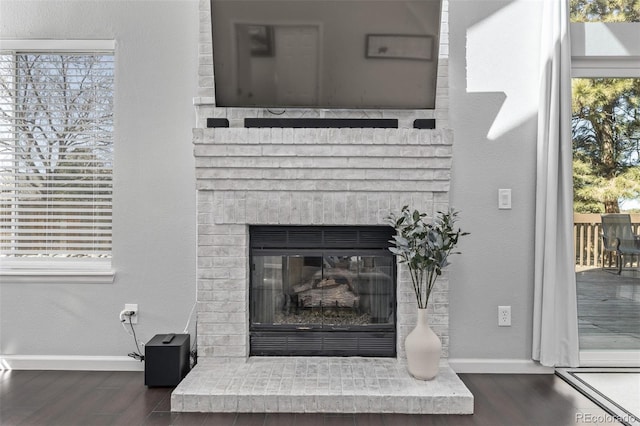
55 271
595 54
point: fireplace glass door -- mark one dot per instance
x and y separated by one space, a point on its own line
322 290
322 302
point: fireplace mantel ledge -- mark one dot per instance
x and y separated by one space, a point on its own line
204 100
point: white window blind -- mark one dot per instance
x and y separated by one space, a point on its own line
56 154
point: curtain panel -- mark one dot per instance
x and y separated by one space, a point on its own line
555 321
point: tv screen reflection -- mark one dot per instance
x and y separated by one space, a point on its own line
355 54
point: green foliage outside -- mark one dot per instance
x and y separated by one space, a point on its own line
606 123
605 10
606 143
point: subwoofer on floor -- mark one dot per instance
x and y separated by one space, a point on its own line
166 359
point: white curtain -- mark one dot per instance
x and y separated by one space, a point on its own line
555 320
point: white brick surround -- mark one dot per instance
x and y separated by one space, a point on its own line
305 177
274 176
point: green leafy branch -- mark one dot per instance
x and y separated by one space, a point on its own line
424 246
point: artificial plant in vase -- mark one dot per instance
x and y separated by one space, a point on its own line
424 247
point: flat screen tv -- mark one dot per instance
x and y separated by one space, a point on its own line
344 54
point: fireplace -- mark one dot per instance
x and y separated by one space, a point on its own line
271 201
292 252
322 291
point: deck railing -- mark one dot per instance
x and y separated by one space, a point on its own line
587 230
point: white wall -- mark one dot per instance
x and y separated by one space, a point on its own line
154 184
493 80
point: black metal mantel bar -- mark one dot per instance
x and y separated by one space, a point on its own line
315 123
335 123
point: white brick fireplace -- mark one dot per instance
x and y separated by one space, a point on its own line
324 176
305 177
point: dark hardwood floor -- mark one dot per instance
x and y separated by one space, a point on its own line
69 398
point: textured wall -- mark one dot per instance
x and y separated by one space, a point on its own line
153 193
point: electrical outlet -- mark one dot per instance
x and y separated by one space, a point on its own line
504 316
130 307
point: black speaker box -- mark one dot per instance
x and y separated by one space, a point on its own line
166 361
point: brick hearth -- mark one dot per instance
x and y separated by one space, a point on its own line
319 384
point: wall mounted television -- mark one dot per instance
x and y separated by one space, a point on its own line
342 54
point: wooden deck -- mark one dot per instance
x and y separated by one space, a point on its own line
587 231
609 309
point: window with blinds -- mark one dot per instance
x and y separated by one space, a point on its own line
56 155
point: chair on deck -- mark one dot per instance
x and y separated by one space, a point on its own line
618 238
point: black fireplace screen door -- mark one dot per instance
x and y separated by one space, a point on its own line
327 291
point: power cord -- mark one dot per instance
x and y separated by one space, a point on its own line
194 350
127 315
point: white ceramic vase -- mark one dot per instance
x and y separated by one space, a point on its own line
423 349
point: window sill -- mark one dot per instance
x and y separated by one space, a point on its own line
93 273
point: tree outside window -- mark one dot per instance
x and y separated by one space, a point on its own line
56 150
606 143
604 10
606 125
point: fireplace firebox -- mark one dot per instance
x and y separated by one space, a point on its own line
322 291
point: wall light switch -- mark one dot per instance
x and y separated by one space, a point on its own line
504 199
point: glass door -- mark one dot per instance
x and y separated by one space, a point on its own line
322 291
606 175
332 291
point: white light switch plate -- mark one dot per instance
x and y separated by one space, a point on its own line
504 199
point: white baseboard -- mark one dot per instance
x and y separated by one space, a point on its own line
69 362
125 363
498 366
610 358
